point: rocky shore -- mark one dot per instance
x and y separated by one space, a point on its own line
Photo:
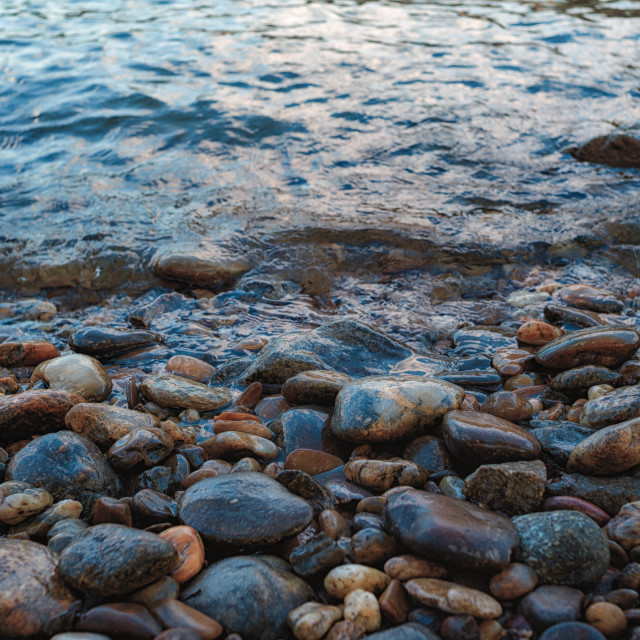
327 483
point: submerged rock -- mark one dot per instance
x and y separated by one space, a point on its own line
217 268
105 341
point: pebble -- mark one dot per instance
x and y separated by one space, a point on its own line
28 353
558 438
453 487
103 342
165 587
551 604
333 524
261 588
510 361
251 427
316 556
235 445
459 628
76 373
66 465
538 333
572 631
19 502
562 547
33 413
150 507
612 408
188 544
383 474
146 446
243 509
347 577
624 528
189 367
603 346
245 465
105 424
120 619
430 453
251 395
394 602
472 435
38 526
372 547
586 297
577 381
362 607
314 387
345 630
507 405
311 461
405 567
176 393
608 451
511 487
217 268
513 582
63 532
607 618
387 408
110 559
453 598
597 391
303 428
491 630
312 620
34 600
569 503
173 613
450 531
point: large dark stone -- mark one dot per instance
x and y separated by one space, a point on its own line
572 631
450 531
558 438
562 547
248 595
243 509
67 465
34 600
111 559
105 341
345 345
550 604
577 381
614 150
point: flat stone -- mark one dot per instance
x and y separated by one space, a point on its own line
607 346
430 453
453 598
558 438
577 381
105 341
33 413
511 487
111 559
472 435
26 354
384 408
144 446
316 556
615 150
173 392
617 406
551 604
67 465
563 547
215 268
261 588
608 451
586 297
234 445
315 387
241 509
381 475
346 346
75 373
175 614
405 567
569 503
34 600
311 462
105 424
450 531
189 367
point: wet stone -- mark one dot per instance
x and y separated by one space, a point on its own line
34 413
569 503
311 462
618 406
362 607
150 507
314 387
538 333
483 340
38 526
333 524
513 582
380 409
173 613
572 631
19 502
215 270
27 353
563 547
63 532
243 509
111 510
120 619
602 346
303 428
104 341
372 547
586 297
510 361
80 635
165 587
551 604
110 559
312 620
381 475
190 367
234 445
317 556
347 577
577 381
453 487
472 435
450 531
558 438
511 487
610 450
251 427
104 424
262 589
307 487
67 465
147 446
188 544
507 405
453 598
405 567
459 628
174 392
624 528
430 453
34 600
75 373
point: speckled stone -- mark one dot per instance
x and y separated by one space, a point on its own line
384 408
617 406
577 381
174 392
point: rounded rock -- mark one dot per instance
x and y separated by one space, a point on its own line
347 577
607 618
312 620
188 544
513 582
362 607
174 392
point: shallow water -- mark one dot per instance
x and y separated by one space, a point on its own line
404 162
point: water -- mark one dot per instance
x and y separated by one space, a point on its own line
410 156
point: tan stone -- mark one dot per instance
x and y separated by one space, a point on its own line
406 567
383 474
189 367
347 577
188 544
362 607
312 620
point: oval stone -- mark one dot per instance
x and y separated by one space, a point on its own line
235 445
481 437
190 367
384 408
606 346
243 509
34 600
111 559
537 333
173 392
105 341
347 577
608 451
26 354
578 380
614 407
315 387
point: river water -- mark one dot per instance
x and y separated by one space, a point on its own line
402 162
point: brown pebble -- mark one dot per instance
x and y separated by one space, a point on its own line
190 550
491 630
189 367
311 461
373 504
108 509
513 582
569 503
607 618
26 354
333 524
394 602
537 333
173 613
250 396
345 630
406 567
120 619
236 415
165 587
618 556
253 427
